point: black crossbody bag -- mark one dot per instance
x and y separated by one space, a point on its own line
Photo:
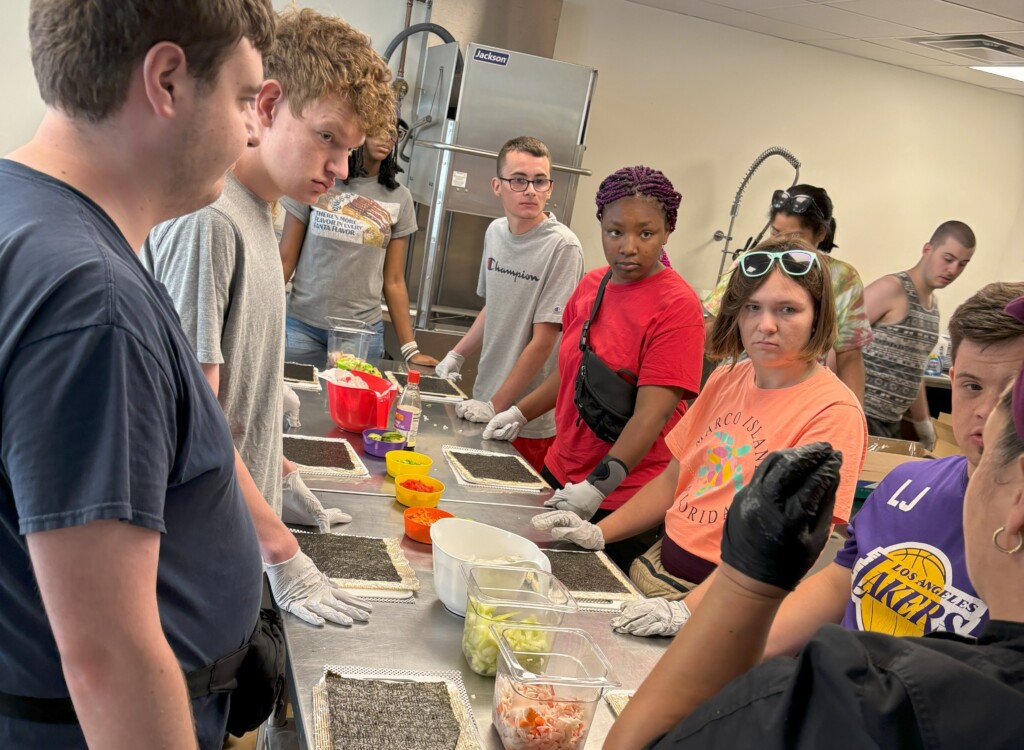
604 398
253 674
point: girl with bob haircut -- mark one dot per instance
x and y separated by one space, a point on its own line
779 310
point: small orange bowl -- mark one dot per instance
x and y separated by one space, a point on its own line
419 520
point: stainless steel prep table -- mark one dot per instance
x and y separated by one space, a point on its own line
438 427
424 635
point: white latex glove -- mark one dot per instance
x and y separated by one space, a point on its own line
564 524
506 425
300 588
300 506
290 399
651 617
583 499
925 433
449 367
475 411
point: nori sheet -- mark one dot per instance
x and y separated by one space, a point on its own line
299 373
495 468
382 715
429 384
317 453
584 571
356 558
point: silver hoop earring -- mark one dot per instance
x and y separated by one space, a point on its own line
1001 548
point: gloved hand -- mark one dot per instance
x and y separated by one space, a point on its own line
925 433
300 588
564 524
300 506
506 425
291 403
475 411
449 367
778 524
581 498
653 616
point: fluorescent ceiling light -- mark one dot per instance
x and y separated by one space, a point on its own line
1016 72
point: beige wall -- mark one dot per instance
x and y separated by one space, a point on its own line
22 107
899 151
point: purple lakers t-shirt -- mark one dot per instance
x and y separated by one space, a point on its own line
906 551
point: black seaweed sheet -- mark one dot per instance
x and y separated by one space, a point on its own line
354 558
381 715
584 571
429 384
318 453
495 468
299 373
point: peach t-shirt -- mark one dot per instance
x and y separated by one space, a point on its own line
729 430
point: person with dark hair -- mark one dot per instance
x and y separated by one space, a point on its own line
904 315
531 264
348 248
844 689
902 569
128 553
778 308
806 211
649 325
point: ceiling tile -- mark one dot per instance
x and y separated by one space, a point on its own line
1007 8
863 48
933 15
757 4
739 19
840 22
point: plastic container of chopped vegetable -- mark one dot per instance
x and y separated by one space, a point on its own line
546 701
418 490
347 338
502 597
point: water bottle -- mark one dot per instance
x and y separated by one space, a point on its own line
407 413
934 365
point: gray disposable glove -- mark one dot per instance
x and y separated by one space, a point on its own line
505 426
475 411
300 506
581 498
651 617
925 432
449 367
291 403
300 588
564 524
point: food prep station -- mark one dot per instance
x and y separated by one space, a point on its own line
420 634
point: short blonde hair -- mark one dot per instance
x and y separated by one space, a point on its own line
725 341
315 56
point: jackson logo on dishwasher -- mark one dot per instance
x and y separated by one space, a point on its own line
491 56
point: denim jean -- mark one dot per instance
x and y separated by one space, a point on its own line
308 344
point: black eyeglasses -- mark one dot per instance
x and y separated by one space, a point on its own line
794 262
795 204
519 184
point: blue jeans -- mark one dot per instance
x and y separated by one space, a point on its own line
308 344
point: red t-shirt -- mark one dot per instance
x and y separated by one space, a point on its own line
654 328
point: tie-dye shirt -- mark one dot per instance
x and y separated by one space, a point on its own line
729 430
851 316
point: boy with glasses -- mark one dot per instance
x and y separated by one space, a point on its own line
531 264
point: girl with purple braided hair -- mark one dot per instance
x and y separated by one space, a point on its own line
649 330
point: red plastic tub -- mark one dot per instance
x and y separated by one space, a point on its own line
355 409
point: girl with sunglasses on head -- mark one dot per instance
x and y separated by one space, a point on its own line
806 211
648 327
347 249
777 307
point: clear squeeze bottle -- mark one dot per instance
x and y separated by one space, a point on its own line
407 414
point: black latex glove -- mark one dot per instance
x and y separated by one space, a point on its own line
778 524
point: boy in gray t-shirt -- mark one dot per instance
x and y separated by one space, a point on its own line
531 264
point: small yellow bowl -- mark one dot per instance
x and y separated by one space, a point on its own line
407 462
416 498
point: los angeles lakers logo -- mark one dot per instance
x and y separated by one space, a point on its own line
907 589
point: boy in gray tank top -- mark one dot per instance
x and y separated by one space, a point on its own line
904 317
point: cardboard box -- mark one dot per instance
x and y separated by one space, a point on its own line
945 440
884 455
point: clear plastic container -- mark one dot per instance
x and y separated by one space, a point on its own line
546 701
504 596
347 338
